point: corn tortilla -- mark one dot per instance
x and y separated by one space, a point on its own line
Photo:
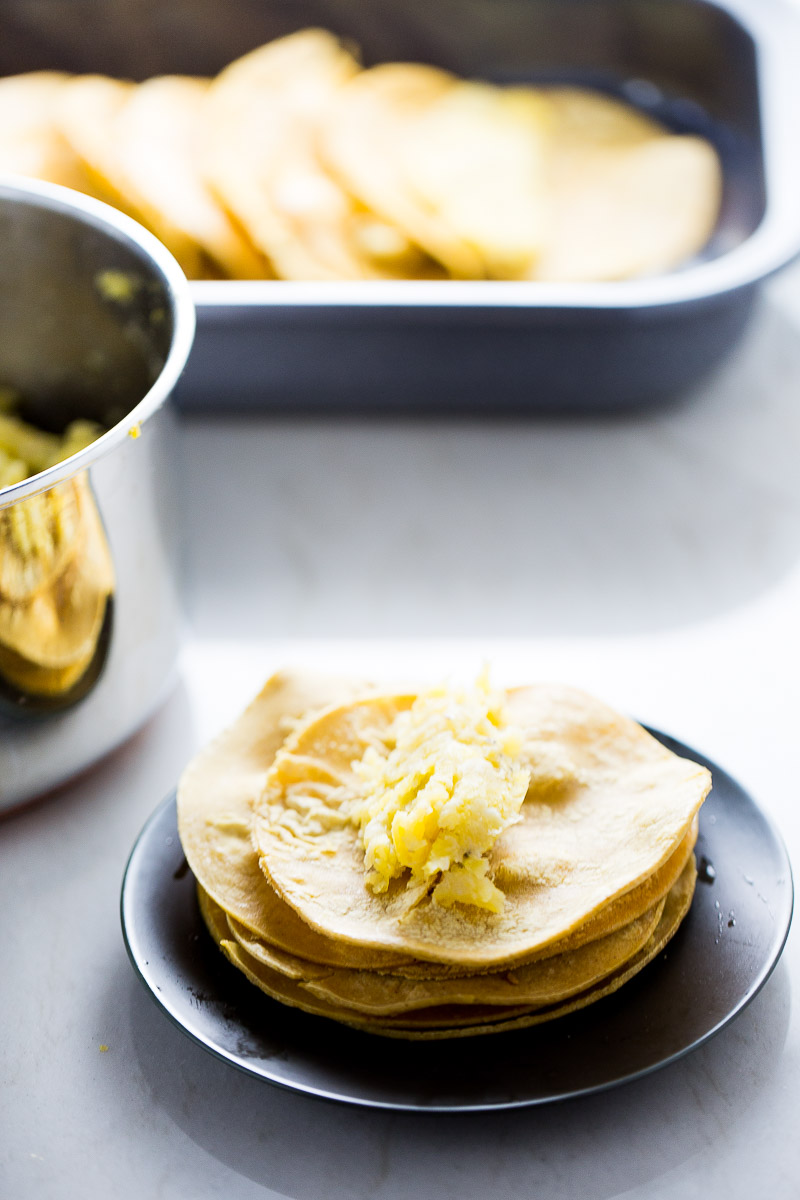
538 984
475 159
259 118
676 907
297 959
86 116
31 142
371 118
215 797
159 134
618 814
451 1021
625 196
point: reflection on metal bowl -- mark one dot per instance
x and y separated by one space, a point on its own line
95 324
56 581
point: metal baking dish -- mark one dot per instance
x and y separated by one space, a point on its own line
727 70
95 321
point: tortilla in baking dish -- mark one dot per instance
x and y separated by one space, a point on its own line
295 162
31 142
263 158
363 139
86 116
159 133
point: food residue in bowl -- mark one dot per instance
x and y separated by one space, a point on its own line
25 450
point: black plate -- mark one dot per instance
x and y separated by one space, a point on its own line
716 963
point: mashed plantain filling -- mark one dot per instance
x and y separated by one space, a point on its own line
26 450
434 798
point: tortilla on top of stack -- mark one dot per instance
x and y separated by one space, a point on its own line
439 864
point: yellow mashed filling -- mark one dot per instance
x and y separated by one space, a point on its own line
25 450
434 798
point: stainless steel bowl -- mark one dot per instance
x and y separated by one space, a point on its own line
95 321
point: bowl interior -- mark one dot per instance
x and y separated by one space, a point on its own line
86 322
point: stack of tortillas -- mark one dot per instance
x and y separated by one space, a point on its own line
594 874
296 163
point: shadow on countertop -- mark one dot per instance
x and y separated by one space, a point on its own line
597 1147
587 527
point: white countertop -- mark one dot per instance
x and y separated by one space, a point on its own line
653 560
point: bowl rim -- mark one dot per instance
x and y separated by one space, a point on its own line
124 230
